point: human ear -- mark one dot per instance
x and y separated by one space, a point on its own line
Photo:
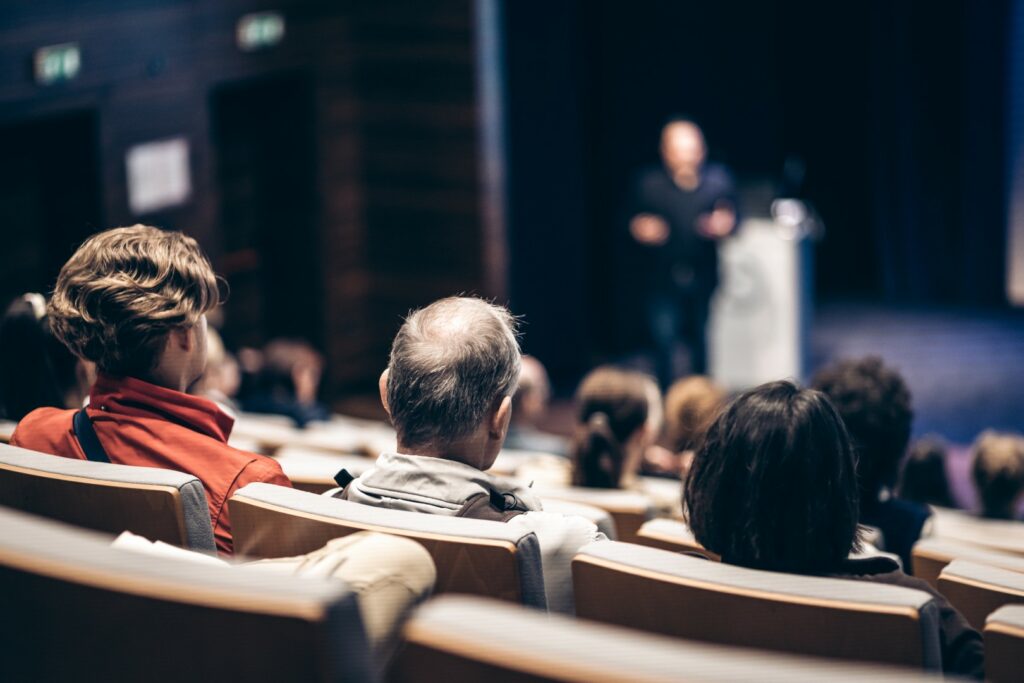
501 418
382 386
183 338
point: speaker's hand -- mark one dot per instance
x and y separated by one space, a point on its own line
649 229
719 223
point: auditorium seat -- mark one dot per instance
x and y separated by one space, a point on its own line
977 590
629 509
77 609
691 597
1004 644
340 435
162 505
544 467
671 535
269 432
343 434
313 470
931 555
457 638
472 556
1000 535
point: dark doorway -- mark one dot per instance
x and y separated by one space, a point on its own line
264 133
49 198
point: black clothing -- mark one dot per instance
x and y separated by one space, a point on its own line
688 262
301 413
678 277
900 521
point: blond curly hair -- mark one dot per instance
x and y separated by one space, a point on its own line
124 289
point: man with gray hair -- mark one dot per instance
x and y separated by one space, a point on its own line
448 388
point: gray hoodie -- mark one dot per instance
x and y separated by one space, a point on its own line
441 487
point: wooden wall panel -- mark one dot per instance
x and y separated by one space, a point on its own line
396 128
415 76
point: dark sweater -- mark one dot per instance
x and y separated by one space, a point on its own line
900 521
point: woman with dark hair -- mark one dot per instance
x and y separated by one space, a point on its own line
774 487
36 369
619 415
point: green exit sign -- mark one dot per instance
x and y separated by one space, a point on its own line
57 63
259 31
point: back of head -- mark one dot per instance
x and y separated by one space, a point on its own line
291 370
876 408
998 471
923 478
36 370
773 486
691 405
612 404
451 364
532 394
221 376
124 289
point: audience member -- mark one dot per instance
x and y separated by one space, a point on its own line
691 405
389 575
448 390
998 472
875 404
132 300
288 382
774 487
221 378
529 405
36 369
619 413
923 479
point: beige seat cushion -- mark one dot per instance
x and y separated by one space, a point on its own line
691 597
156 503
459 638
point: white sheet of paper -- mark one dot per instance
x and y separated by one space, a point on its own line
158 175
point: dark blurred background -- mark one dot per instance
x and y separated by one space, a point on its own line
387 153
896 110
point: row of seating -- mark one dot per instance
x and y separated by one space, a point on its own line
311 457
618 583
61 582
312 468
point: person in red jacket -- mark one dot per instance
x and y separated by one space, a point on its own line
134 301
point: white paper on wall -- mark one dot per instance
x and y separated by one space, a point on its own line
158 175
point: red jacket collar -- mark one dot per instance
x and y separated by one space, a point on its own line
133 397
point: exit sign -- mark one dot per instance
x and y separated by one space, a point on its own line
57 63
259 31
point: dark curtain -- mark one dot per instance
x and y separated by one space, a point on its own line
936 139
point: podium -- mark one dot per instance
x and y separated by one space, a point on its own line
757 331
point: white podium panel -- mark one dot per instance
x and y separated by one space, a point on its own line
755 332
